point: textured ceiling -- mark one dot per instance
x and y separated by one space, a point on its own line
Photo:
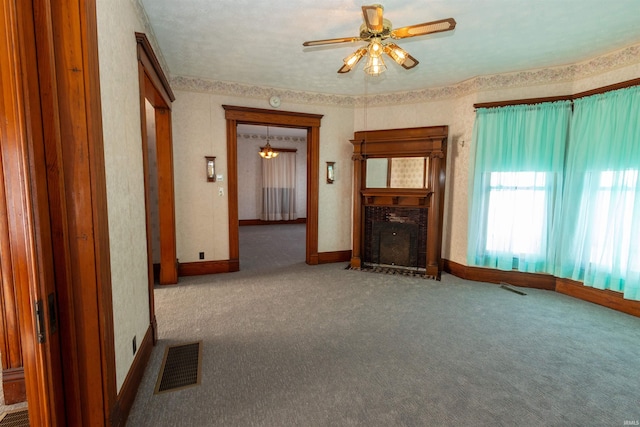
260 42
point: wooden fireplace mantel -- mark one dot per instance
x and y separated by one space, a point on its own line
395 196
429 142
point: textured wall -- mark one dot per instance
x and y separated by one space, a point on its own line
199 129
117 22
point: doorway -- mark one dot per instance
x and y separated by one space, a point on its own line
156 97
272 203
234 116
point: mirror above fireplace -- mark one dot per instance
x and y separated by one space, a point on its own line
397 172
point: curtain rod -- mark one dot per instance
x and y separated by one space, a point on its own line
604 89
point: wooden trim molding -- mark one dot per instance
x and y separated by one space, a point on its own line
13 383
313 190
208 267
262 222
522 101
491 275
604 89
261 116
229 266
89 362
154 88
153 67
335 256
606 298
124 401
609 88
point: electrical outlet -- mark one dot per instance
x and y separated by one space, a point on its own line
220 191
134 345
201 255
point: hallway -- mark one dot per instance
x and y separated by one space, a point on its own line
268 247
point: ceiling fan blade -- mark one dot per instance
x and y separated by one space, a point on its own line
331 41
425 28
409 62
373 18
345 69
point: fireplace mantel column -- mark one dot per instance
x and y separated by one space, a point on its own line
358 161
433 249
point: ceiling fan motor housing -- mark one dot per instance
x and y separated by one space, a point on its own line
366 33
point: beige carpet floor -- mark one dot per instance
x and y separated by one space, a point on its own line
286 344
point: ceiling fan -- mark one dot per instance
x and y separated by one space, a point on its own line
376 30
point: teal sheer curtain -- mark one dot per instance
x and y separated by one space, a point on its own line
598 231
516 185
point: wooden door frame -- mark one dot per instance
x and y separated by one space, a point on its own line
155 88
235 115
85 299
53 158
27 236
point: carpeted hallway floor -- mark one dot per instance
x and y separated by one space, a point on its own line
286 344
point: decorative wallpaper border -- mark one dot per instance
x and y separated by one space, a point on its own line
195 84
561 74
272 137
567 73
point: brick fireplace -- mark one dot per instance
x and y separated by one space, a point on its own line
395 237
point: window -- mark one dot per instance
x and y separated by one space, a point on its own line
612 206
516 185
581 218
516 213
597 237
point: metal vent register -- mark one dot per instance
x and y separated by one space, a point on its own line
19 418
180 367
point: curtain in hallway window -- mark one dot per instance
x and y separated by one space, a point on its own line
599 237
515 185
279 187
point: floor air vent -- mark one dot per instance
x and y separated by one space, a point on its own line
18 418
180 367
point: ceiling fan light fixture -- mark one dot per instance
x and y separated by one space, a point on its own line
353 59
375 66
396 53
375 48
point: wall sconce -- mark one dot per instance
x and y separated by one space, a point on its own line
331 172
211 168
